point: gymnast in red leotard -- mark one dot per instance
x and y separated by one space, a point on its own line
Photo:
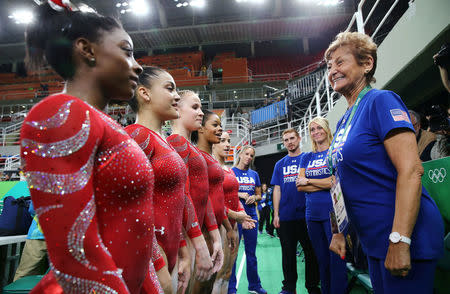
155 102
235 212
190 121
208 135
95 210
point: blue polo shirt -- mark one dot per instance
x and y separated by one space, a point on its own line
248 181
368 178
318 204
292 202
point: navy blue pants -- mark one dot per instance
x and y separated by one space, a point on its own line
291 233
250 240
333 270
419 280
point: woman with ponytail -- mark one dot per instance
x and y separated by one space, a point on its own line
235 213
183 128
249 193
209 134
155 102
81 166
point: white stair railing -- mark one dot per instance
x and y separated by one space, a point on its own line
240 128
12 162
9 135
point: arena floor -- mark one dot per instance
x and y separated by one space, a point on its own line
268 252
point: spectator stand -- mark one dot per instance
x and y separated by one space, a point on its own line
270 114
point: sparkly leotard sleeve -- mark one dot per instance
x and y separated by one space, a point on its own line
95 210
197 183
169 197
230 190
210 218
215 177
190 220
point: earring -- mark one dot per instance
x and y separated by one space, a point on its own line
91 61
367 71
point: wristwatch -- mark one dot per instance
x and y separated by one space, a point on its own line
395 237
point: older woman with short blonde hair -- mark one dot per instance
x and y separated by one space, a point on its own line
374 154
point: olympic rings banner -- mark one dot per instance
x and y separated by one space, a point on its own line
436 179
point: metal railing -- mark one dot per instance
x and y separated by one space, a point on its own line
10 162
12 110
232 94
240 129
10 135
305 85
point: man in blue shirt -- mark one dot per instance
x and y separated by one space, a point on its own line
289 217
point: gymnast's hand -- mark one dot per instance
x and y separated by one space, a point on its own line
203 263
232 240
217 256
184 269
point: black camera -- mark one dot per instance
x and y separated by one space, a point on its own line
443 56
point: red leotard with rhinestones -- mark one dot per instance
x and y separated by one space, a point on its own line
230 191
92 189
215 176
198 173
169 197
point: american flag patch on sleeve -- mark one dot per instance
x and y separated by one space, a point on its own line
399 115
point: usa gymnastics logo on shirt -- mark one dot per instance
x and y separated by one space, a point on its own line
290 173
246 183
317 167
399 115
337 147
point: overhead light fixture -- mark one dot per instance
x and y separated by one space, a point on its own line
179 5
198 3
329 2
323 2
85 8
138 7
250 1
185 4
22 17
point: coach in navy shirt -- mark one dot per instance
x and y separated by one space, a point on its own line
374 153
289 217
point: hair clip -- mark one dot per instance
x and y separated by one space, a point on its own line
60 5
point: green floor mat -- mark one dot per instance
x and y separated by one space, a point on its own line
268 253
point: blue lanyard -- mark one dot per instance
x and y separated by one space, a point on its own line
330 151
